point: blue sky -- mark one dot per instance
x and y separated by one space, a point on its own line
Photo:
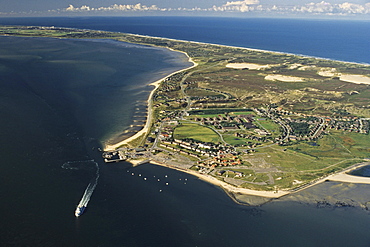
246 8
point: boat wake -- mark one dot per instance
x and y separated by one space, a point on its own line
82 205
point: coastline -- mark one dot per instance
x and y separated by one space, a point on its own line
250 49
225 186
146 127
345 177
341 176
152 204
231 190
156 84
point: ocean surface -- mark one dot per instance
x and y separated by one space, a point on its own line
61 98
343 40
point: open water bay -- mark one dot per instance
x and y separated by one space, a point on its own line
60 98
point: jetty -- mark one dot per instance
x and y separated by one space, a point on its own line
114 156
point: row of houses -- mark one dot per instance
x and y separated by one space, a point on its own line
179 150
221 161
358 125
238 119
198 149
235 173
263 138
350 123
228 122
212 147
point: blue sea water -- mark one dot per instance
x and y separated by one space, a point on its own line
344 40
362 172
59 98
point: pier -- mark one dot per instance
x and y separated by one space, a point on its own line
114 156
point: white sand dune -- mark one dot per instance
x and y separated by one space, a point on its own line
328 72
357 79
283 78
252 66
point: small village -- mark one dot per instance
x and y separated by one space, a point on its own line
224 159
248 131
293 126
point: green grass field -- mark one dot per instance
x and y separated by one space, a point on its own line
199 92
269 125
337 144
357 144
208 115
242 113
196 132
232 140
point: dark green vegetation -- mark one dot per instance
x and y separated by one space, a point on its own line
278 123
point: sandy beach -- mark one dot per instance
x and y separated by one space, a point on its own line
147 125
346 178
343 176
338 177
250 49
225 186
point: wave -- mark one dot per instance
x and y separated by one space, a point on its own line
79 165
84 165
90 189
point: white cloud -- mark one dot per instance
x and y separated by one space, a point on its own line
114 7
251 6
237 6
245 2
318 8
355 8
322 7
333 9
71 8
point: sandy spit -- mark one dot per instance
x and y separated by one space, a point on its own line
349 179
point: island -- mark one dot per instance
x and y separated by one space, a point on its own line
251 121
